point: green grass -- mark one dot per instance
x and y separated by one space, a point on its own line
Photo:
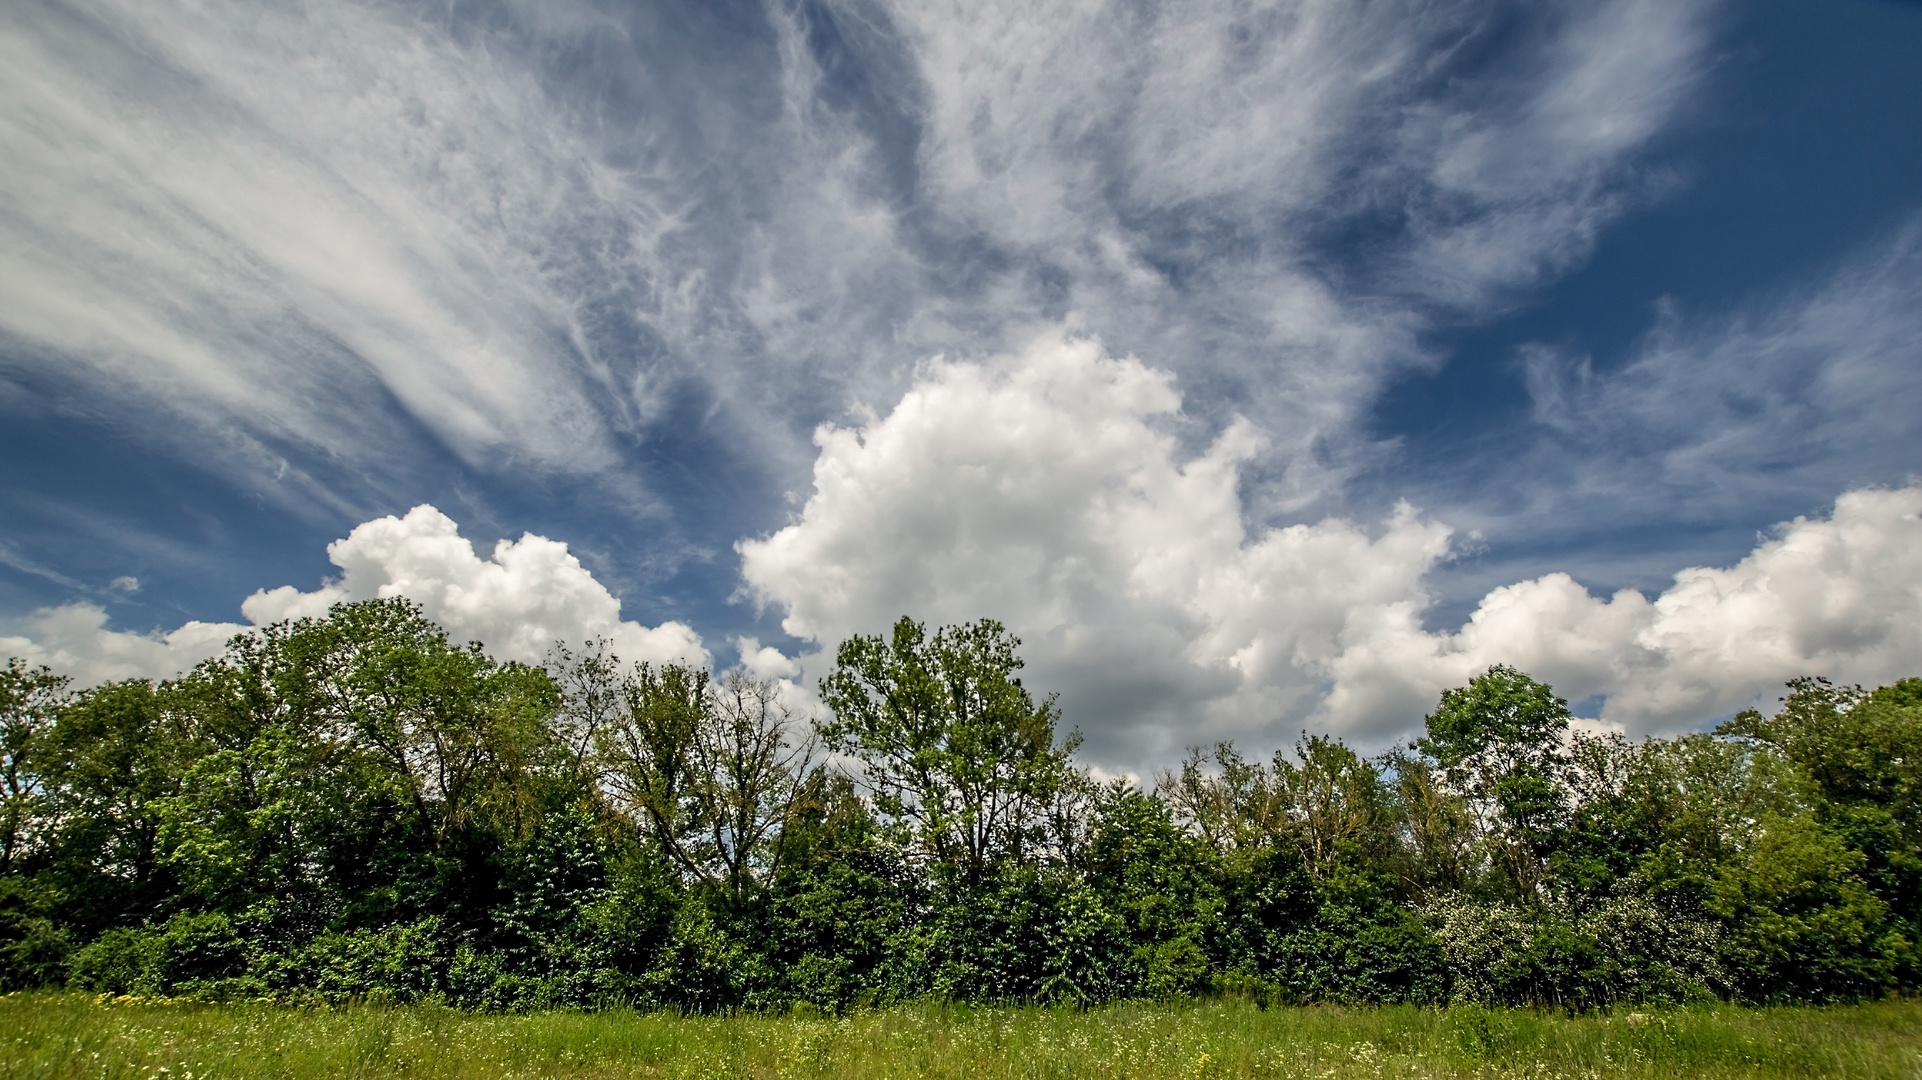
65 1035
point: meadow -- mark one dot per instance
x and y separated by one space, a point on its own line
72 1035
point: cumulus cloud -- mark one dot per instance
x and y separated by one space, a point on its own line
519 601
527 595
1048 488
1839 597
1045 489
73 640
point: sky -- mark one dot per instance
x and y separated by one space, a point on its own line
1265 367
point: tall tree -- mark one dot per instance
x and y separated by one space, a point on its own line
647 756
29 699
953 748
713 770
755 768
1499 741
461 732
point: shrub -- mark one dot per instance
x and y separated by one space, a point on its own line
33 948
121 961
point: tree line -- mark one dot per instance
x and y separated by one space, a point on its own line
355 807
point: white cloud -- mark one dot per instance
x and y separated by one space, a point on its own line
1519 188
308 236
73 640
1169 165
1840 597
1792 396
527 595
1047 488
1044 489
278 224
765 661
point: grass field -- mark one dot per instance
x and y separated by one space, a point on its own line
61 1035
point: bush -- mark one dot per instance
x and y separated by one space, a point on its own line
402 963
120 961
1026 934
33 948
1623 950
197 953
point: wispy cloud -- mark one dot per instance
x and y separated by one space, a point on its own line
1779 403
320 251
1273 201
308 226
329 235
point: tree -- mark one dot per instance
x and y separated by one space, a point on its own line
714 770
753 774
1230 802
1436 823
647 756
593 697
1499 741
1327 802
110 758
954 749
29 700
1337 803
460 731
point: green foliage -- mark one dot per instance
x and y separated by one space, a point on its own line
958 755
1498 742
29 700
353 808
33 947
840 915
1626 950
120 961
1159 880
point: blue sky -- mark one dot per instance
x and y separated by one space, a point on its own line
1262 365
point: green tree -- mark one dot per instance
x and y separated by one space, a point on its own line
462 733
29 700
110 758
1833 904
1231 803
1339 806
755 767
1499 742
1164 884
714 770
647 757
355 767
954 749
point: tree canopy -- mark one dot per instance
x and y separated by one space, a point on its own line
353 806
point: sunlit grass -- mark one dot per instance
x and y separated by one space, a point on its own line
61 1035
